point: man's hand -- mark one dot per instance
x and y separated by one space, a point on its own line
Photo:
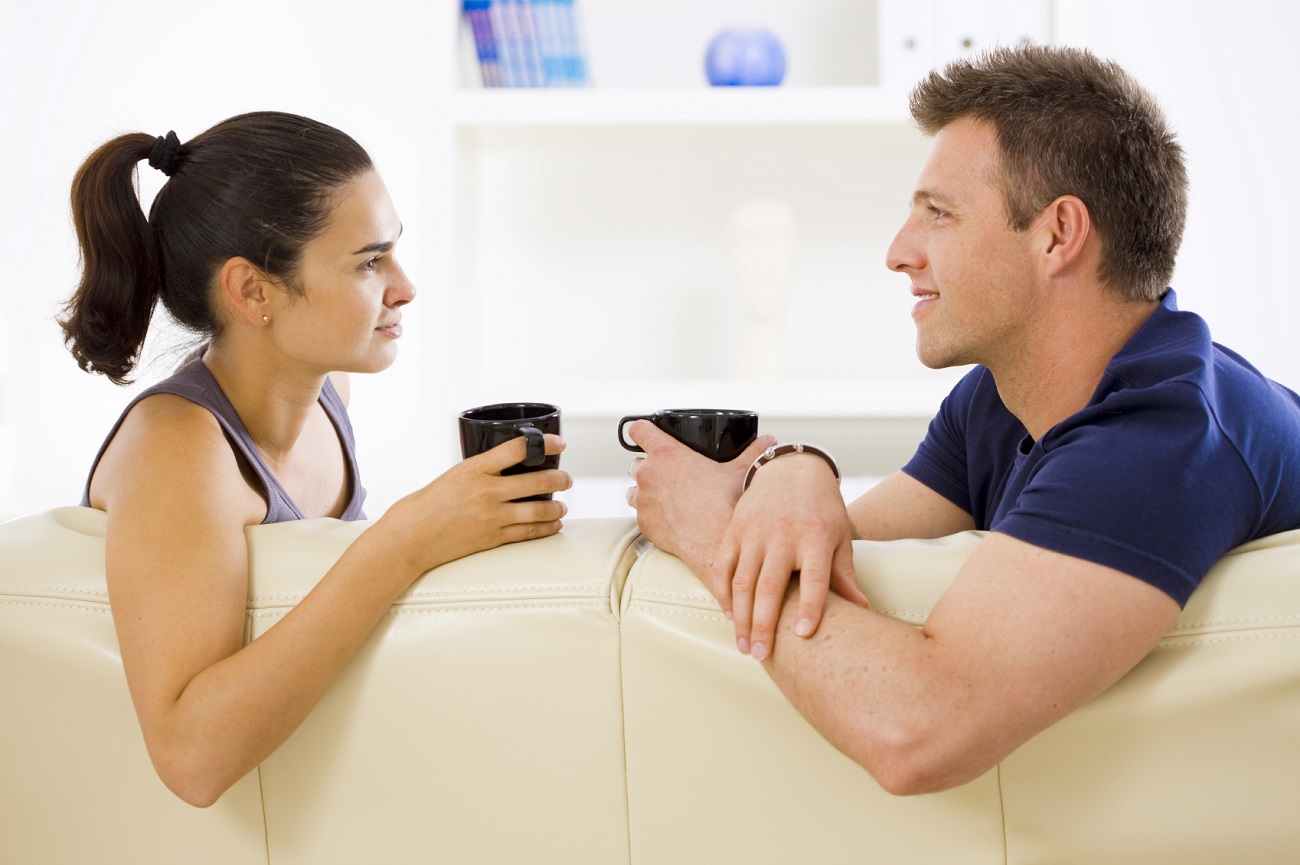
792 519
684 500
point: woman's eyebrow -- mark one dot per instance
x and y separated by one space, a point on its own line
380 246
375 247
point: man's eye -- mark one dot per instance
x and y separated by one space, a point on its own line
936 212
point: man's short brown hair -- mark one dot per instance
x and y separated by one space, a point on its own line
1070 124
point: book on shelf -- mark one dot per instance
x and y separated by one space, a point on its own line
564 55
527 43
480 25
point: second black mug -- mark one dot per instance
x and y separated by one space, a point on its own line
718 433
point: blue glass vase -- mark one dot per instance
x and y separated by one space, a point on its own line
745 57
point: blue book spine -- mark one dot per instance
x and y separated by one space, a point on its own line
529 50
507 38
478 16
548 37
574 57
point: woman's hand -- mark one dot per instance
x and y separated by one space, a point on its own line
470 507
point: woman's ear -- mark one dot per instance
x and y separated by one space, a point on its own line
1066 227
245 291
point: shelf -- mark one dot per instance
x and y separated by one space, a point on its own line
701 107
611 202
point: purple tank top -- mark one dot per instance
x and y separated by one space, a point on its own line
195 382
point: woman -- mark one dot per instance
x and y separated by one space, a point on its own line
273 238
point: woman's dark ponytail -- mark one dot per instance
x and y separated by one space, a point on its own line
258 186
105 321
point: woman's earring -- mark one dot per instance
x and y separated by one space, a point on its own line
266 319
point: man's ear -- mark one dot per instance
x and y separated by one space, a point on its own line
1065 228
245 289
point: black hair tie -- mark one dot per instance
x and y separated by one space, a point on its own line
166 152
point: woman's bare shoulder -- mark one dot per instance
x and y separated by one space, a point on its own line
168 448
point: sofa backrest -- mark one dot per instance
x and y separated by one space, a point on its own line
579 699
1194 757
76 784
721 768
481 721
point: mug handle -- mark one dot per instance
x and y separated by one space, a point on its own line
534 445
627 445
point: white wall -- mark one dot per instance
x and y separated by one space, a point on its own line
1226 75
75 72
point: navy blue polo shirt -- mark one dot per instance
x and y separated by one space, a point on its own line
1184 451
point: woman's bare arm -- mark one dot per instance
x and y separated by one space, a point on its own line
210 707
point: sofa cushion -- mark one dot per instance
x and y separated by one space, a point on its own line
481 720
76 784
720 766
1193 757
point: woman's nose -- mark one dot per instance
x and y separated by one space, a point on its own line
401 290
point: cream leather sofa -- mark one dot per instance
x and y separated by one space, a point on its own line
578 700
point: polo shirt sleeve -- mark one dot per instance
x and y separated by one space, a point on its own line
969 446
940 459
1145 482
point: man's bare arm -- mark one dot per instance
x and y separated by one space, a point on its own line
1022 638
900 506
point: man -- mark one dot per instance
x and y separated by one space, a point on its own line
1110 449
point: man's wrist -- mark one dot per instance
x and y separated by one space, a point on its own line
776 451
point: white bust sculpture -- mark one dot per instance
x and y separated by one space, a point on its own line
759 242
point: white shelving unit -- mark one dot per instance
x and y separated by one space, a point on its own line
762 107
586 257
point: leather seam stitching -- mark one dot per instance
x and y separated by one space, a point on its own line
69 605
593 605
1186 642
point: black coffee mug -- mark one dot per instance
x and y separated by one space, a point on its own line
718 433
485 427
